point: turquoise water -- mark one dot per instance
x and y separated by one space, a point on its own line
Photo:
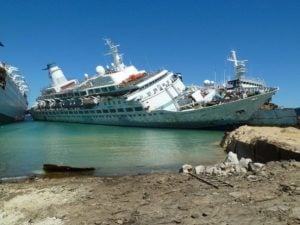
26 146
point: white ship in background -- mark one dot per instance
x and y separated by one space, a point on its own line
125 96
13 94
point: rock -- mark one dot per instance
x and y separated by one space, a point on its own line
232 158
245 162
177 221
209 170
223 223
295 164
287 188
262 173
253 178
195 216
186 169
237 168
228 165
295 213
199 169
259 165
297 191
283 208
223 166
145 195
183 208
251 167
216 171
255 167
243 170
236 194
272 209
120 222
224 173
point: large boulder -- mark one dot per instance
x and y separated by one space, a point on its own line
244 162
186 168
199 169
232 158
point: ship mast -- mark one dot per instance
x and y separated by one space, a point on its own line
239 65
117 64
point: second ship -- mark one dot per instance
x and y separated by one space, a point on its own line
125 96
13 94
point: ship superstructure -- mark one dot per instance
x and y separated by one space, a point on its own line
123 95
13 94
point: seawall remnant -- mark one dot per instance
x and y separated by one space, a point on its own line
264 144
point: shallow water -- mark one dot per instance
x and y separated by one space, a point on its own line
26 146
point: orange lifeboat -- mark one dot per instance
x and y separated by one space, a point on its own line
132 78
68 85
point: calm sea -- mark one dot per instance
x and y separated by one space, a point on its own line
26 146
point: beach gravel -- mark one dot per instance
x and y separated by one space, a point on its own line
171 198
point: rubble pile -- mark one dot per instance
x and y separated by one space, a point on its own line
231 166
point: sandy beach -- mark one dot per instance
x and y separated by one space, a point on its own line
269 197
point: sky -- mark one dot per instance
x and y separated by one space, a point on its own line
193 37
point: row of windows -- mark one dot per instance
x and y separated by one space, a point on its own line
84 93
116 116
137 109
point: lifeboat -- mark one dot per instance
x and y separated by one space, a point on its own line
70 84
132 78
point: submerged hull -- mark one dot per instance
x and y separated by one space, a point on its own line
217 116
13 104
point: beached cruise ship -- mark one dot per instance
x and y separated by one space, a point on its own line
125 96
13 94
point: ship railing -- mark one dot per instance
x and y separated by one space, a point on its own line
255 80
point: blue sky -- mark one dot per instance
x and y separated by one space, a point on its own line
191 37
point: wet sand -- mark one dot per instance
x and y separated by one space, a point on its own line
271 196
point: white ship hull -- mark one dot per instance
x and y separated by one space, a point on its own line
13 104
217 116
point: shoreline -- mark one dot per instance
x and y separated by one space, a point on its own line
268 194
269 197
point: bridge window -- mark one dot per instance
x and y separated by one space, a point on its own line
129 110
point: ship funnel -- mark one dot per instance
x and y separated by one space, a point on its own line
56 75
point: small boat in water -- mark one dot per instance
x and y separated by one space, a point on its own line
60 168
125 96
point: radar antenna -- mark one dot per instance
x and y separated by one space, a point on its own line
239 65
118 64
